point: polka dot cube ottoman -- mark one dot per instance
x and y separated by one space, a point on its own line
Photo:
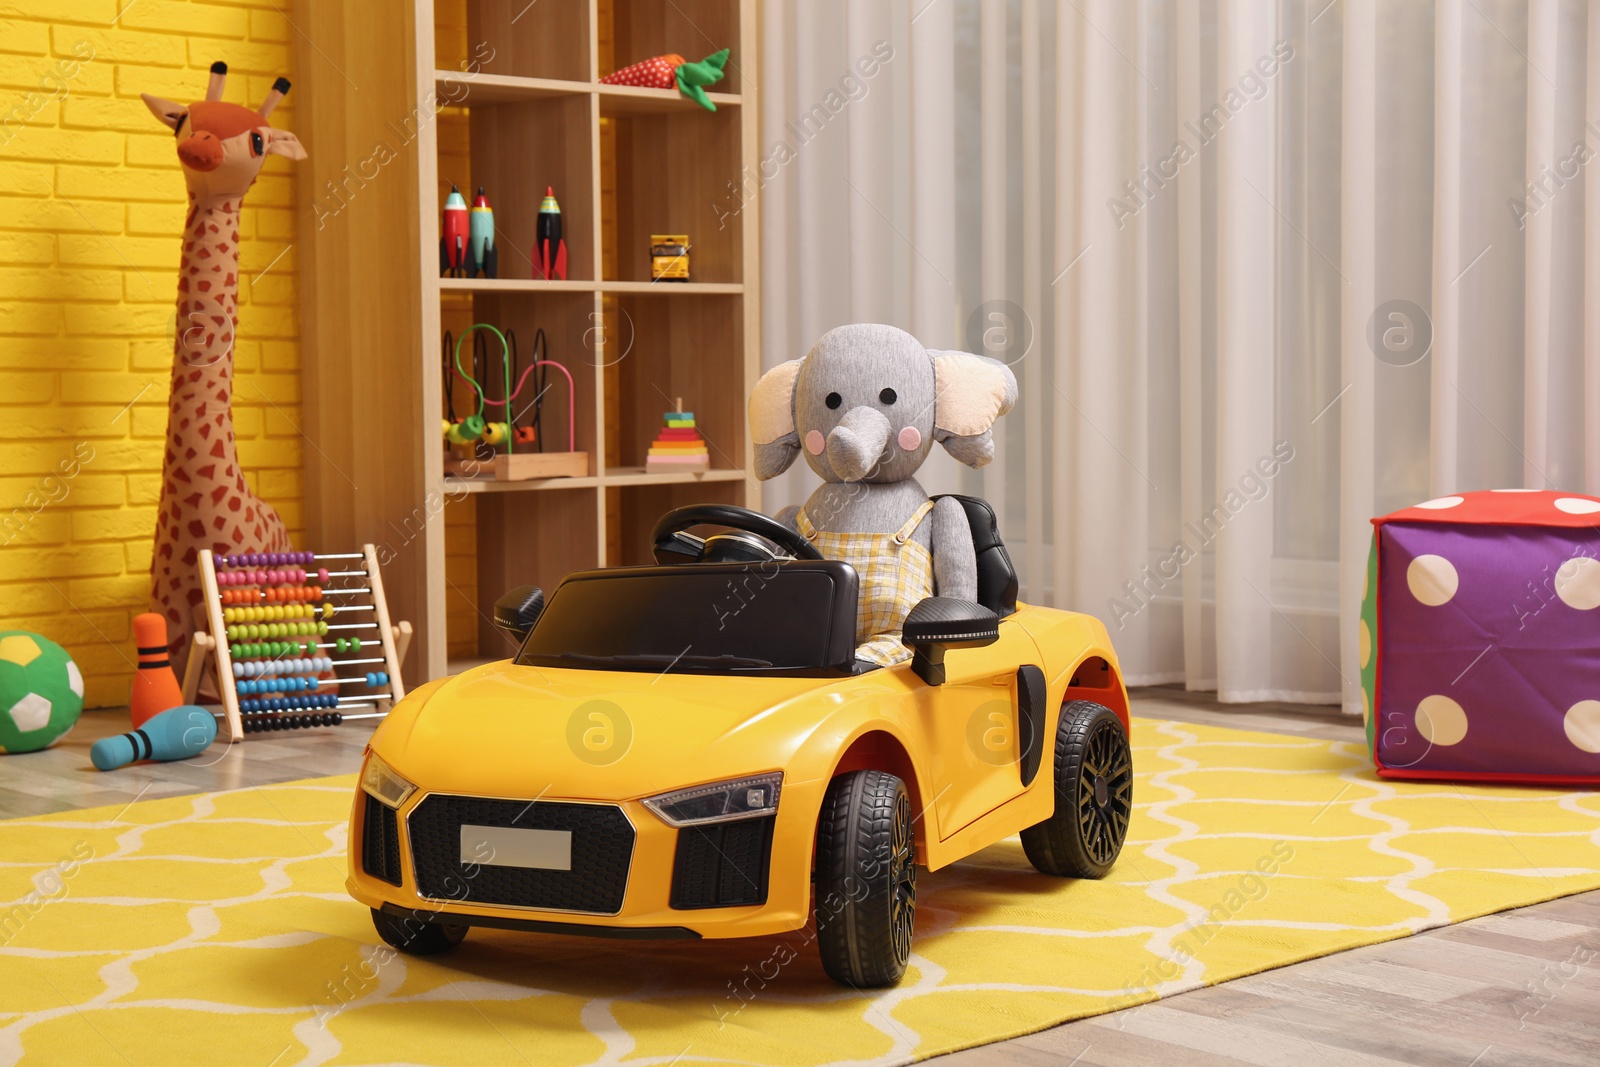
1480 639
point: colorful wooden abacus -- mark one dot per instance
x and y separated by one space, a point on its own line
292 626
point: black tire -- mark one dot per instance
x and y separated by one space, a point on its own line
1094 796
417 937
866 879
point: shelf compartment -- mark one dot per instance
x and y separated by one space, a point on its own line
524 39
677 172
517 150
691 28
530 539
566 319
632 511
660 349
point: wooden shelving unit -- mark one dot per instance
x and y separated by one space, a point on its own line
527 110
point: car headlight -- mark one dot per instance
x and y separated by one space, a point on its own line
741 798
381 780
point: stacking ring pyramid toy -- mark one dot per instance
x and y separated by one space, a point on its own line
679 446
1480 639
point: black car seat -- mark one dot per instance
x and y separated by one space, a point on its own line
997 579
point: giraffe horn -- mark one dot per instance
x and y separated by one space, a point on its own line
279 89
219 74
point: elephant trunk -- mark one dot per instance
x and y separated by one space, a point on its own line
858 443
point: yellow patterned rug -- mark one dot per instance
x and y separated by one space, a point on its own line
214 928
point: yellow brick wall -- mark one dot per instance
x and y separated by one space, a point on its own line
91 211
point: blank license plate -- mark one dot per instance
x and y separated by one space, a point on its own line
510 846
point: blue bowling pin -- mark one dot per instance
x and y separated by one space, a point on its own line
176 733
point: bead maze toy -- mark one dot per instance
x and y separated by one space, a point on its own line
679 447
271 634
500 439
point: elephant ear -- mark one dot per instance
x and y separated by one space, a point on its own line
772 420
971 392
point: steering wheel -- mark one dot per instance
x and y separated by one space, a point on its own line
755 538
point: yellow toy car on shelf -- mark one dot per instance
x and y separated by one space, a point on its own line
692 750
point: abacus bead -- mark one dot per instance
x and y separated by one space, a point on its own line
322 576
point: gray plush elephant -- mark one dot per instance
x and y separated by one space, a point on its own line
867 404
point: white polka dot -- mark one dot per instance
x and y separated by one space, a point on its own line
1582 723
1576 505
1366 645
1432 579
74 678
1441 720
1441 502
1578 583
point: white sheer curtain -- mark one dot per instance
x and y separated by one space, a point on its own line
1265 269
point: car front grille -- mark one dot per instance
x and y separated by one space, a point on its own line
723 865
602 851
380 841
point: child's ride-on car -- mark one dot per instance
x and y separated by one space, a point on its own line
693 750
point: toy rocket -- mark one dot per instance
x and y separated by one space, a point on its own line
480 240
453 246
549 251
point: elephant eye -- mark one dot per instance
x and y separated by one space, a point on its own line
833 401
888 396
256 144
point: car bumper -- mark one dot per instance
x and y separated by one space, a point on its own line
673 882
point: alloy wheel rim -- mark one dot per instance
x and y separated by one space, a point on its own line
1105 792
902 879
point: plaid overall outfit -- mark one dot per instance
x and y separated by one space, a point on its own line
895 572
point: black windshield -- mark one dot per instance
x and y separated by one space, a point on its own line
790 618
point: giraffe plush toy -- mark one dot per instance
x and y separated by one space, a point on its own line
205 502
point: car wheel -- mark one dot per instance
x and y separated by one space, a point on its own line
1094 795
866 875
417 937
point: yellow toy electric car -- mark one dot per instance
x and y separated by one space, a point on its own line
692 750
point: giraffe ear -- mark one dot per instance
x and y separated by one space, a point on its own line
165 110
284 143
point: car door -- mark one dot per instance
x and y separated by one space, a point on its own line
971 721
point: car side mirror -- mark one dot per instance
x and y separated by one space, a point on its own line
517 611
943 622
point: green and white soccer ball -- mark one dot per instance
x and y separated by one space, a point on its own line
41 692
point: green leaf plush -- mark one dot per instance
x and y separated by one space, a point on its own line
694 77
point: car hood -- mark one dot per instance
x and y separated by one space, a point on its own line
522 731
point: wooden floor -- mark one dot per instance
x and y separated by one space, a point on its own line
1519 988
